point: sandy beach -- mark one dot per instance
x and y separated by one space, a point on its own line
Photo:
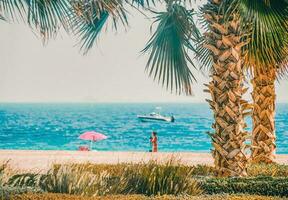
36 160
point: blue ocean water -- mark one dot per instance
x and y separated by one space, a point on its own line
57 126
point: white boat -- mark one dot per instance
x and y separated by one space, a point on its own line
156 116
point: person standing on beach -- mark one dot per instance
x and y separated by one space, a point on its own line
154 141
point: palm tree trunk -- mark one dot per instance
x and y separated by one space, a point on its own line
226 89
263 135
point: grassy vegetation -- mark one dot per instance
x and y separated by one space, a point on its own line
150 179
91 180
140 197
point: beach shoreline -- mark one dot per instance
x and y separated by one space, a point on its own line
42 160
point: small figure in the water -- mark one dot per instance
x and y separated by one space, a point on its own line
154 141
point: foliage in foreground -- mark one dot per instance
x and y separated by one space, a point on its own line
148 179
273 170
139 197
267 186
89 180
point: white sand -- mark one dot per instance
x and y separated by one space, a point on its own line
26 160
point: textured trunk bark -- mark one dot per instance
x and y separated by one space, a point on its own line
263 135
226 89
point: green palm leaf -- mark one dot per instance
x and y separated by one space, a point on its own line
46 16
266 22
12 9
168 48
269 37
204 55
143 3
91 16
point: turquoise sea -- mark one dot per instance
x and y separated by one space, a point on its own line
57 126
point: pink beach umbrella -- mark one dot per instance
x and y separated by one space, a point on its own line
92 136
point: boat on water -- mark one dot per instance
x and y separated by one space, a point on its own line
156 116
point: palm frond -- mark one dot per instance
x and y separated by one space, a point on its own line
12 9
45 16
228 7
266 22
91 16
48 16
204 55
142 3
168 48
269 37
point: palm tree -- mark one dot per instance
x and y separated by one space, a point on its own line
263 133
266 54
169 47
264 26
224 41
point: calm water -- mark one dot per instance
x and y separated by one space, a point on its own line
57 126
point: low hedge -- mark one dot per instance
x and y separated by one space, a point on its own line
275 170
267 186
51 196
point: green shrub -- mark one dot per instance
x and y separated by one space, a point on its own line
274 170
267 186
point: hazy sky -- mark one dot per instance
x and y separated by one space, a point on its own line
112 72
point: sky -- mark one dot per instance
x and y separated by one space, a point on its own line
113 71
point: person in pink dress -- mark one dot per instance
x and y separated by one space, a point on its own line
154 142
